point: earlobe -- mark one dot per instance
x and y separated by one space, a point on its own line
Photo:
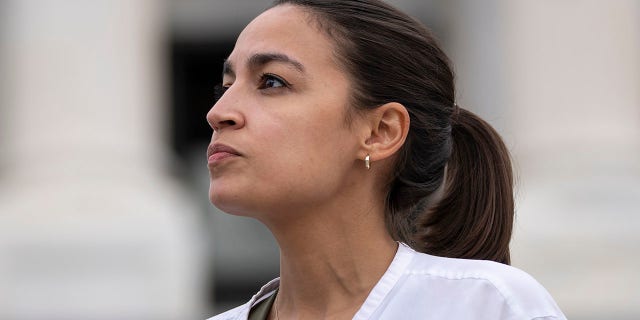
389 127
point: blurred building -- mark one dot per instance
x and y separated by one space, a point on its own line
93 224
104 211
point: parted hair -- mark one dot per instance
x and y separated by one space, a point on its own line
451 189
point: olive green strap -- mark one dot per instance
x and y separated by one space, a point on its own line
261 310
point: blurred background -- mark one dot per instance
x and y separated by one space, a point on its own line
104 211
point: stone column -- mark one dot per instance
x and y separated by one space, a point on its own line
476 46
573 70
92 226
560 80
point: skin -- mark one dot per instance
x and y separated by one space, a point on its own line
300 168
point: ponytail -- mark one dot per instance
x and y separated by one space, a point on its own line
393 58
474 218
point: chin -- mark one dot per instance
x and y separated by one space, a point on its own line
228 202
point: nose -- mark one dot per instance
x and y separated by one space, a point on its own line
225 114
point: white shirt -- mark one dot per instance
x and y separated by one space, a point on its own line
425 287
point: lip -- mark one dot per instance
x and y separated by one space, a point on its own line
218 152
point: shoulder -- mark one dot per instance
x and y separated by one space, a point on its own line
232 314
503 277
511 287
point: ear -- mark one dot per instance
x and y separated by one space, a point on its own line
389 127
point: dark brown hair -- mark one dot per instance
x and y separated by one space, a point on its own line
393 58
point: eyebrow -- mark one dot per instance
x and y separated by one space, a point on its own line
261 59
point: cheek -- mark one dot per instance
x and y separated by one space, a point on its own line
312 136
311 155
294 159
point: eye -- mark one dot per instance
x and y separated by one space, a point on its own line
271 81
218 91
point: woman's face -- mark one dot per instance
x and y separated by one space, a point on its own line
283 114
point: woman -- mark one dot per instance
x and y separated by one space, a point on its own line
338 130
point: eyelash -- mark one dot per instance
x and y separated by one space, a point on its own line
269 76
220 89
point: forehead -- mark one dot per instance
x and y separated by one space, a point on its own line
288 30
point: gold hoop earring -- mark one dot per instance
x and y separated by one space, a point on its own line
367 162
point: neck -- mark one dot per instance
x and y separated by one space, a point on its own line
330 259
